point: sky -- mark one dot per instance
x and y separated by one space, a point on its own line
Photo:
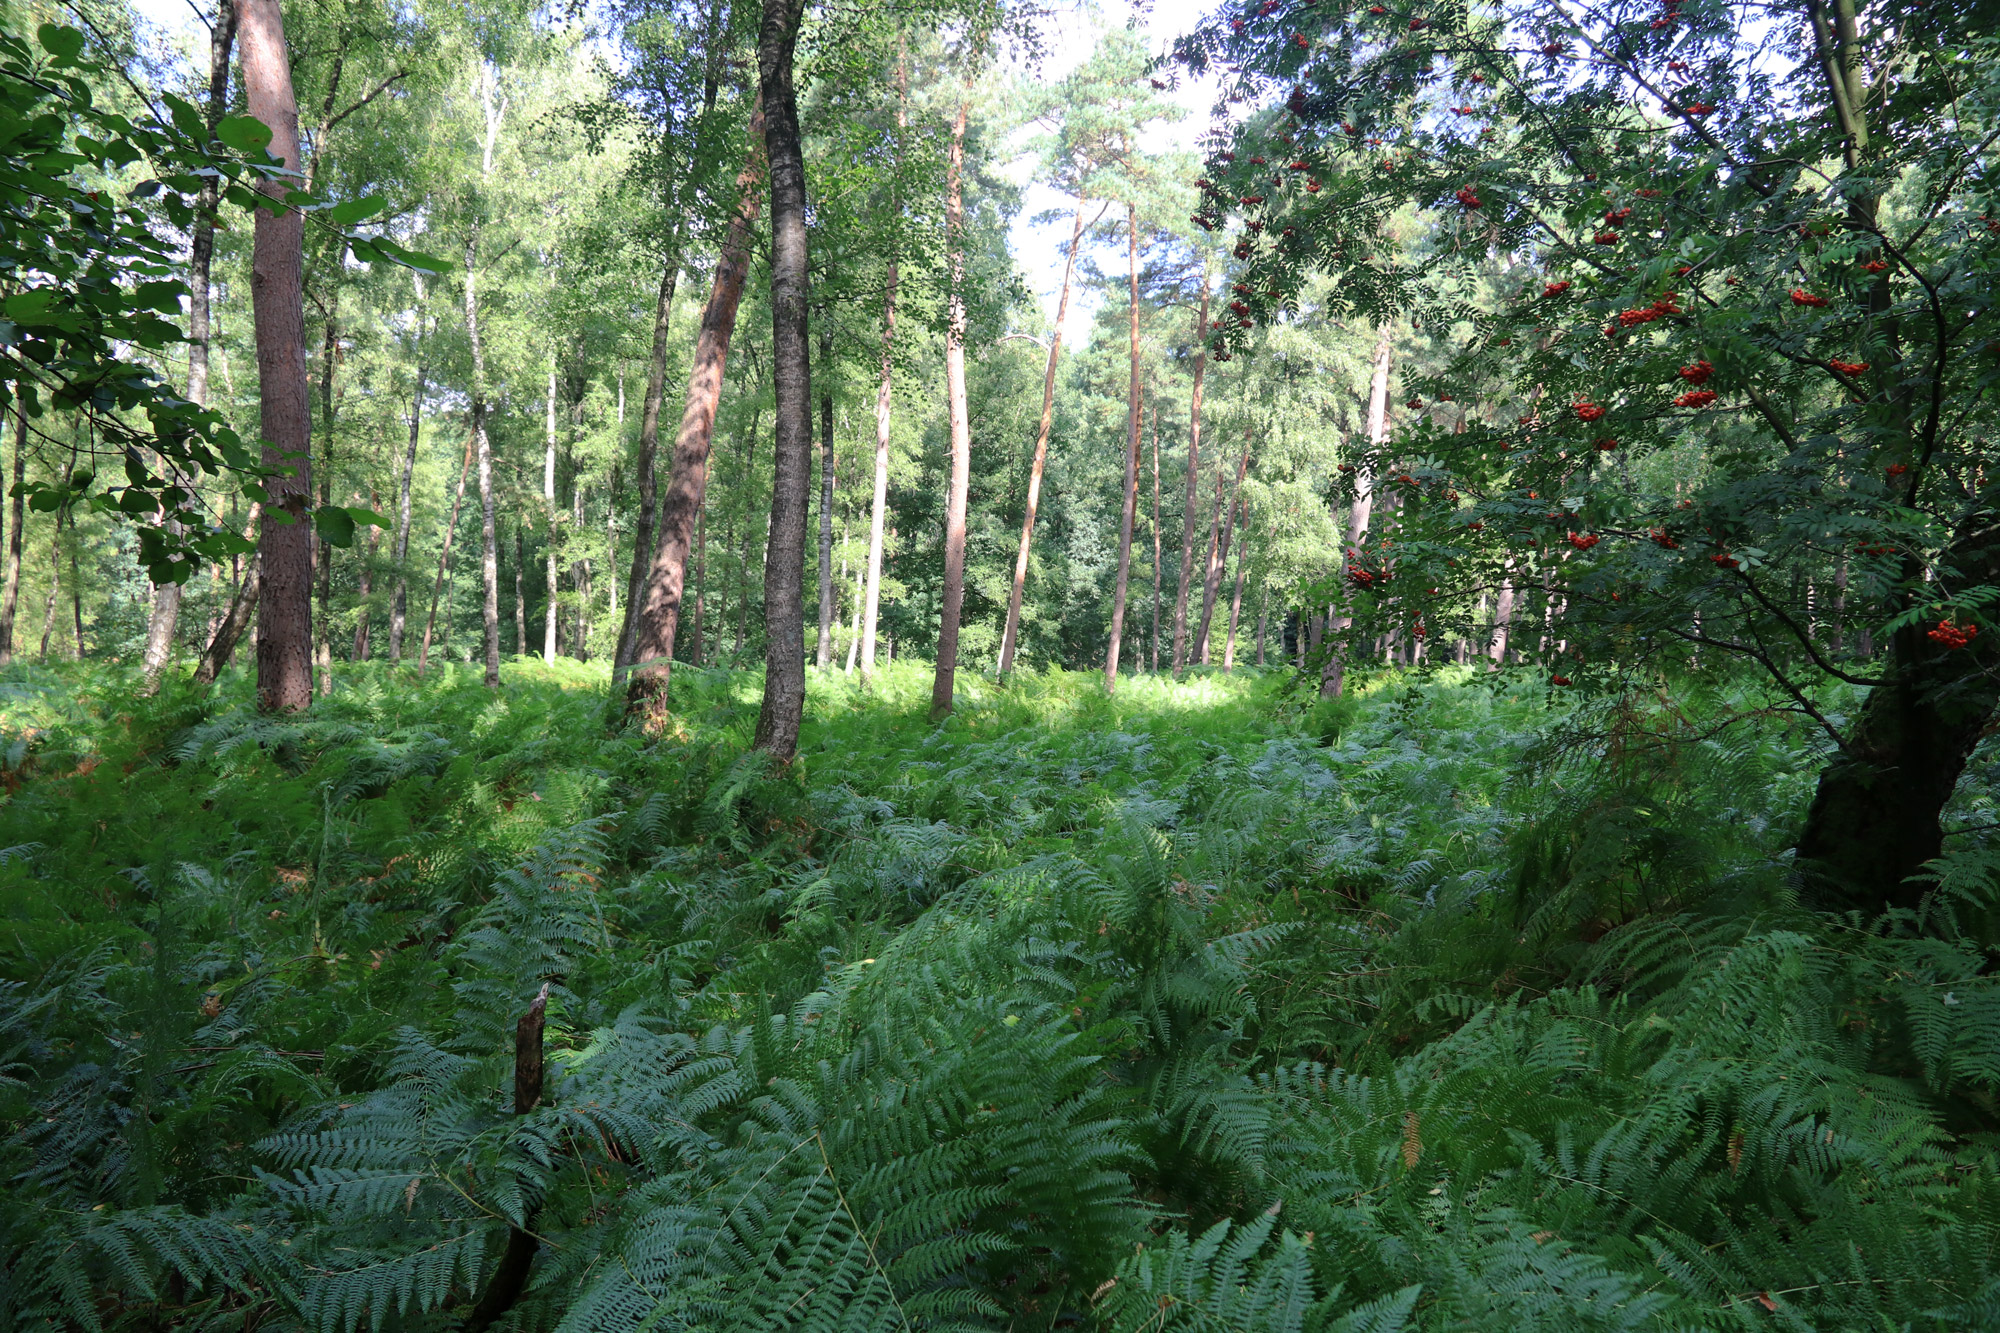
1072 34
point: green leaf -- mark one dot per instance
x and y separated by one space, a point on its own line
65 44
335 524
351 211
366 517
246 134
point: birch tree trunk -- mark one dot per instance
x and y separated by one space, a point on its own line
872 594
649 448
1129 513
284 545
656 607
549 510
943 681
1218 560
1010 637
362 618
444 558
1193 476
399 609
1236 598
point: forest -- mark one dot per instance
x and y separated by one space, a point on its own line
1301 666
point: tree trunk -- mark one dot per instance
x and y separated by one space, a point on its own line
953 600
1011 637
323 549
656 607
1198 644
284 546
1193 475
1236 598
520 590
1333 672
1218 560
444 559
399 610
549 513
872 596
1130 512
1874 819
649 448
700 580
362 618
10 594
55 588
1155 667
1263 614
222 643
824 656
783 709
489 532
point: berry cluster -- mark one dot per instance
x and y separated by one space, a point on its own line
1950 635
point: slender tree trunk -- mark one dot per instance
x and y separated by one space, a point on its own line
10 593
1333 672
1503 615
399 610
1193 476
444 559
323 549
872 597
549 510
854 633
1155 667
700 580
657 606
649 448
222 643
824 656
55 588
520 591
1236 598
201 254
284 547
1198 641
1010 638
1263 615
953 599
579 572
362 616
1218 558
1130 512
482 447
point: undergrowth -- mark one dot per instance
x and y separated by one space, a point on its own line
1190 1008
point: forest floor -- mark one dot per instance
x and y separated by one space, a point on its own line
1436 1005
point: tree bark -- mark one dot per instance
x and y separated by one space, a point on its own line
953 594
1218 557
783 709
520 590
10 593
489 533
1236 598
1155 666
824 656
1193 475
444 559
323 549
877 514
549 513
649 448
201 255
366 582
222 643
399 610
657 606
1333 673
1130 513
284 546
1011 637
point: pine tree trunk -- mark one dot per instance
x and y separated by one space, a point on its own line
824 656
1155 667
649 449
444 559
399 610
877 514
201 255
1130 512
1198 644
284 547
10 593
322 549
700 580
489 532
1218 561
953 593
1011 637
1333 672
656 607
1193 475
783 710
